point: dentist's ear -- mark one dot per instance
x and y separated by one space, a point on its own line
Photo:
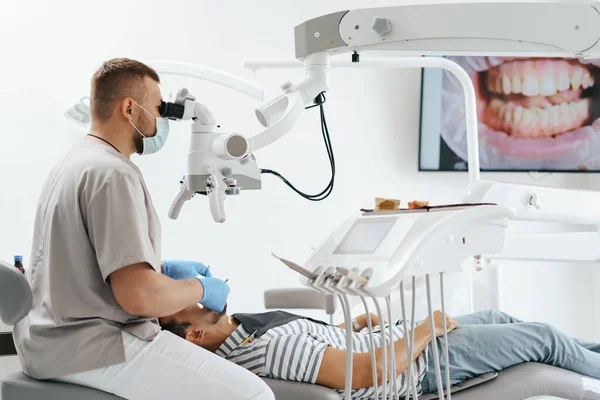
126 108
194 335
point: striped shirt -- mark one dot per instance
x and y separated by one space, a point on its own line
294 352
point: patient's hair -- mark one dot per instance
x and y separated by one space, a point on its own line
115 80
177 328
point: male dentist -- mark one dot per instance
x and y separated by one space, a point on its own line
96 274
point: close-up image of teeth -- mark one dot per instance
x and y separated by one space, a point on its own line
533 113
537 98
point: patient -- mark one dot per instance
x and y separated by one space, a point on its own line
285 346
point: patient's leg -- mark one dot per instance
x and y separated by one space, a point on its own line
477 349
486 317
595 347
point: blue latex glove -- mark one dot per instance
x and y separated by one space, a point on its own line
181 270
215 293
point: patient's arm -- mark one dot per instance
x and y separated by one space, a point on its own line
332 372
331 375
362 321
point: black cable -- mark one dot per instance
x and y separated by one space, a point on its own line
328 190
325 130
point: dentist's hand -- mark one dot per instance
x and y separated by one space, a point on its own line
216 292
181 270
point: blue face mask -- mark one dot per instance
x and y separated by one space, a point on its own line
155 143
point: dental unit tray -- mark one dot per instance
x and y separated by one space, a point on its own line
378 250
443 207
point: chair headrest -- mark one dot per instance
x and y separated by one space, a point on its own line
15 294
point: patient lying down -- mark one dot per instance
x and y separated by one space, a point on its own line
286 346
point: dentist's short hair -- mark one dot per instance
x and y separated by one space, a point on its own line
114 81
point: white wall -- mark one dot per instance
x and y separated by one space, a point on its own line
50 50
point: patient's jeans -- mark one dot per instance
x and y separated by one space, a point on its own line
491 341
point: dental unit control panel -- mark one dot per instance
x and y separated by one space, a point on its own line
370 255
375 251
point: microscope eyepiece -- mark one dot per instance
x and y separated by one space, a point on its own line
171 110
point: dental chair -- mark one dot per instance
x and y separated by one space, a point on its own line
517 383
524 381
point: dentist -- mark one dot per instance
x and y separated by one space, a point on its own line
98 282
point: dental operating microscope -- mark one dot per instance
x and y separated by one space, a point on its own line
215 161
221 165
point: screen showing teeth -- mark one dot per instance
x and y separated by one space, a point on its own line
533 122
533 114
538 77
536 97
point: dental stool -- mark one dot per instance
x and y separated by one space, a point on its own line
15 302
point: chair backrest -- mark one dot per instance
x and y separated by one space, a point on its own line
15 294
299 298
305 298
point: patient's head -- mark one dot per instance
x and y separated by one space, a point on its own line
201 326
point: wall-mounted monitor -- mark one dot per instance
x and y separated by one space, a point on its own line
534 114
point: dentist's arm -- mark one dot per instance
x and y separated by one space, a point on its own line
139 290
120 232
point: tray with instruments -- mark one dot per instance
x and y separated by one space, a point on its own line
422 208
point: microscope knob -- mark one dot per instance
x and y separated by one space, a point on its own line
383 27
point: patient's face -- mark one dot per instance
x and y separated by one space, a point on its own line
200 325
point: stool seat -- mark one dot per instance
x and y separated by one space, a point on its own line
18 386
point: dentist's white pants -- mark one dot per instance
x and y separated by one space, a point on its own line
170 367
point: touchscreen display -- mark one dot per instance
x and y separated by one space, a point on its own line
365 236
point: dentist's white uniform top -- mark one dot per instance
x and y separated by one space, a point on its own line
94 217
